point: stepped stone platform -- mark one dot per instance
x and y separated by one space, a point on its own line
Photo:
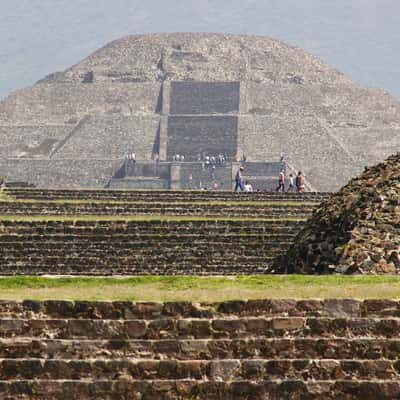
201 247
159 195
260 349
109 232
236 210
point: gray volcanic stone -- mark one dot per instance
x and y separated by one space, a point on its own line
123 96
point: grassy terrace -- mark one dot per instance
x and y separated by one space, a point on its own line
194 288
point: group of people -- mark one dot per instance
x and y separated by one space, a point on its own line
219 159
178 157
131 156
130 163
296 184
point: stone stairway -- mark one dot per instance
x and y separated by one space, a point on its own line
298 210
259 349
104 247
160 195
106 232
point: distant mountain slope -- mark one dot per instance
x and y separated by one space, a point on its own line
361 38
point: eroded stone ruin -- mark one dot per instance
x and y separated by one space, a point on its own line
356 230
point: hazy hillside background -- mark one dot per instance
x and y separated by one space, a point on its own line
359 37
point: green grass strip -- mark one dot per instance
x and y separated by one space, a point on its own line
196 288
191 281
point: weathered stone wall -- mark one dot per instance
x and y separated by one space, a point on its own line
344 138
194 135
204 97
143 247
161 195
282 349
217 210
31 140
322 163
73 173
139 183
203 177
112 136
67 103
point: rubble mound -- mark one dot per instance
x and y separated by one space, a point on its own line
356 230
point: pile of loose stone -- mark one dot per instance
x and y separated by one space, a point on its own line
356 230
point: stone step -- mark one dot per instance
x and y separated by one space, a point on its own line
140 266
98 234
90 251
17 208
99 257
62 309
231 242
151 227
170 328
200 390
143 269
145 205
215 370
127 238
92 233
130 259
255 213
203 349
26 192
46 194
136 224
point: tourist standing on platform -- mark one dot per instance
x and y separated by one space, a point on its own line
281 182
239 180
291 184
283 163
299 182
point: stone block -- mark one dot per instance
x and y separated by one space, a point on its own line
224 370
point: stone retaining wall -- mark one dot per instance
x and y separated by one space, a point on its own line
217 247
161 195
49 208
258 349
